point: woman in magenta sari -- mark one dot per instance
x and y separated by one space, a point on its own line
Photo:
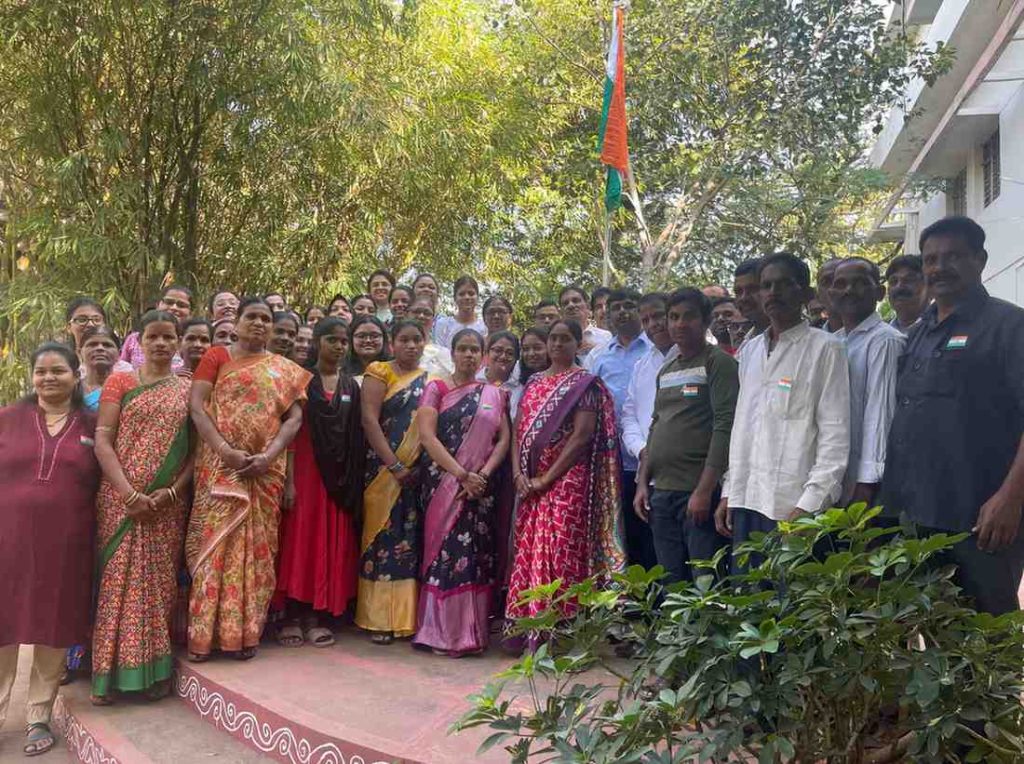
465 432
566 470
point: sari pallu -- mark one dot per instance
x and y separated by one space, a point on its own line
233 532
574 529
138 561
392 515
459 538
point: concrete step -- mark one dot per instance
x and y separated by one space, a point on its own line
133 731
354 701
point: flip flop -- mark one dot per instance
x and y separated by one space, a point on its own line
290 635
319 636
382 638
40 739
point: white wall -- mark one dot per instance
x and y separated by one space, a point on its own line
1003 220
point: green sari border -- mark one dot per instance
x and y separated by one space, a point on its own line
135 678
176 456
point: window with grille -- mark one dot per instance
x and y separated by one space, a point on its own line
991 170
956 194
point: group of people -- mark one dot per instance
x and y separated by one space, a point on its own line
424 471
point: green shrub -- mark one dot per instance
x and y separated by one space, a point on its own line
866 653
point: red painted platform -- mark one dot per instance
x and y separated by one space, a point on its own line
352 703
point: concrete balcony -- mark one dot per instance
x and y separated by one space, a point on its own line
967 26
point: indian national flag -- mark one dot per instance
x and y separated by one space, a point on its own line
612 133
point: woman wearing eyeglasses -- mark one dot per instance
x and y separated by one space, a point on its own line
367 344
176 300
82 313
436 360
497 314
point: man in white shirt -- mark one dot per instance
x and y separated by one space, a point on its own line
873 349
576 307
791 435
907 294
638 409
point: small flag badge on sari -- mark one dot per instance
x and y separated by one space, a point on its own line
346 398
486 406
786 383
690 391
85 440
957 343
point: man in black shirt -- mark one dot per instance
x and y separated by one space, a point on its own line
955 458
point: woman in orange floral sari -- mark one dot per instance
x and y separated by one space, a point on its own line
246 405
142 443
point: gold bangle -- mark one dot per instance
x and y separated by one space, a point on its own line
134 497
174 495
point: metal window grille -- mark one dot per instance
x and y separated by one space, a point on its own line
957 194
991 169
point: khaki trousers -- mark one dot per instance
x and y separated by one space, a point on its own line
47 667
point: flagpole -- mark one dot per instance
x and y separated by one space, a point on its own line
606 260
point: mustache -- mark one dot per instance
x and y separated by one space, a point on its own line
900 294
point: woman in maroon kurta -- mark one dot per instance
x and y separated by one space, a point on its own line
320 539
48 480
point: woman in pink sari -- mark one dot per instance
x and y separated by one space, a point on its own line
465 432
566 470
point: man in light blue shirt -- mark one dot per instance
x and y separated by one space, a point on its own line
614 364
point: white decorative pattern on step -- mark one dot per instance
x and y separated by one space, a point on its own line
280 742
81 744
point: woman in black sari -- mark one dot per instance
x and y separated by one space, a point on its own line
323 497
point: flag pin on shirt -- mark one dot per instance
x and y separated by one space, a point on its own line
786 384
956 343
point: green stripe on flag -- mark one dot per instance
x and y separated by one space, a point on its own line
613 190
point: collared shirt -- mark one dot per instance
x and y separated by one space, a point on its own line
446 327
614 364
895 323
959 412
873 349
791 434
693 415
639 406
436 360
599 339
512 386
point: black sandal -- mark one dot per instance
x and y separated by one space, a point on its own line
40 739
382 638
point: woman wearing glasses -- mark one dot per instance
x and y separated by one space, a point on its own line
176 300
367 344
436 360
497 314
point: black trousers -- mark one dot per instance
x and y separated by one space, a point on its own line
639 544
677 539
991 579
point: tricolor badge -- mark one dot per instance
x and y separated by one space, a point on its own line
957 343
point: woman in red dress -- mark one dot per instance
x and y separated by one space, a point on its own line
566 467
323 496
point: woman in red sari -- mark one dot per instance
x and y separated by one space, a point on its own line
465 432
566 470
142 443
318 566
246 405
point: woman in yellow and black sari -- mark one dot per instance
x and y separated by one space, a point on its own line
392 506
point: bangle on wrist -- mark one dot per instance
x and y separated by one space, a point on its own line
395 468
132 498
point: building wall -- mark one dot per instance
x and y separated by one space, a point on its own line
1003 219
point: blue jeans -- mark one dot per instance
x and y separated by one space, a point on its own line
677 539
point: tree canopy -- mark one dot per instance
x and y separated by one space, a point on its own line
298 145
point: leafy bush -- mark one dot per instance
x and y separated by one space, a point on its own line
867 653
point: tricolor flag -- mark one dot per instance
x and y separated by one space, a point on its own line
612 133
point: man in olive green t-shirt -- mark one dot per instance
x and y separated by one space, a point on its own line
678 482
